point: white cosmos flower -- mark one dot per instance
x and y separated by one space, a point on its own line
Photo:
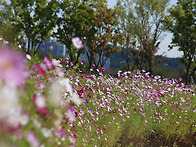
55 93
17 117
24 119
40 101
75 99
65 82
46 132
56 62
19 46
8 101
28 56
59 72
57 90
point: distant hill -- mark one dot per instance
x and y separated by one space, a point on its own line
163 66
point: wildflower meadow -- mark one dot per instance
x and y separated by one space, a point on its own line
51 103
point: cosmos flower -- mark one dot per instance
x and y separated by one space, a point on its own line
60 132
28 56
42 111
41 68
46 132
103 69
71 116
56 91
59 72
32 139
77 43
17 118
40 102
56 62
65 82
12 67
72 139
93 65
8 101
75 99
48 62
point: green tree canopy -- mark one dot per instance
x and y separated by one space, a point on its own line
141 20
103 24
33 20
181 21
90 20
75 20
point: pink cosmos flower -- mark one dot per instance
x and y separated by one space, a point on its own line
93 65
48 62
72 139
40 102
91 112
60 133
43 111
71 116
142 108
12 66
145 122
32 139
103 69
70 107
41 69
77 43
9 128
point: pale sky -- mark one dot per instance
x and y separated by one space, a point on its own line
165 41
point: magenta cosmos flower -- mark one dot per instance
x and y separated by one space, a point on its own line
12 66
77 43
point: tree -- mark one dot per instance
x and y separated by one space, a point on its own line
7 30
181 21
33 19
75 20
98 49
144 18
127 37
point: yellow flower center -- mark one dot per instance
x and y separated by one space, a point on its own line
7 66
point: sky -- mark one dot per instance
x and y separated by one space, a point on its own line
165 39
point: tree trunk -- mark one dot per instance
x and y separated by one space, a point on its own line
150 67
187 74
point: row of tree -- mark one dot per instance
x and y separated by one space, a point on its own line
133 26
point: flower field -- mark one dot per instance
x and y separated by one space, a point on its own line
49 103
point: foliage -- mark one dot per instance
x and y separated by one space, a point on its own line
124 25
75 20
7 30
181 22
98 49
141 23
32 20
